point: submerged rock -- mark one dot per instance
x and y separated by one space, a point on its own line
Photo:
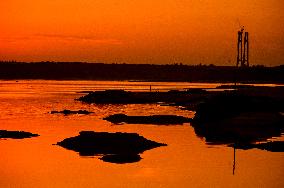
123 146
16 134
69 112
154 119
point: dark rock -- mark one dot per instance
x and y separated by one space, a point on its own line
108 97
125 145
154 119
69 112
127 97
16 134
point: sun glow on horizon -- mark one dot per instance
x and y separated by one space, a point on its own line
127 31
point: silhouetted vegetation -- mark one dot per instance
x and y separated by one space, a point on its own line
143 72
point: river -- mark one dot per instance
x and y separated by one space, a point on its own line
187 161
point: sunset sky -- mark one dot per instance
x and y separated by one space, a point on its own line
141 31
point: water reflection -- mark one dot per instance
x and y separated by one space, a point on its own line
241 135
185 162
242 120
121 158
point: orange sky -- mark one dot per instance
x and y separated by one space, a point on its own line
144 31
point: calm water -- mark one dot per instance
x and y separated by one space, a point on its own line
186 162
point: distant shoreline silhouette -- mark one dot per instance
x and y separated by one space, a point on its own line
139 72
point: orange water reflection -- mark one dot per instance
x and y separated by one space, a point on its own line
186 162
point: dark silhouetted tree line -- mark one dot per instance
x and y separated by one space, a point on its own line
143 72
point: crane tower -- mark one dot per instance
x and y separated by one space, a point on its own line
243 49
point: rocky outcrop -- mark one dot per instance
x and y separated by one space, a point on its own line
154 119
16 134
113 147
127 97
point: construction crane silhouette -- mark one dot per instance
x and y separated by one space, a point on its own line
243 49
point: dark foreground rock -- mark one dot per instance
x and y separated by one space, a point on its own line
114 147
69 112
154 119
16 134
